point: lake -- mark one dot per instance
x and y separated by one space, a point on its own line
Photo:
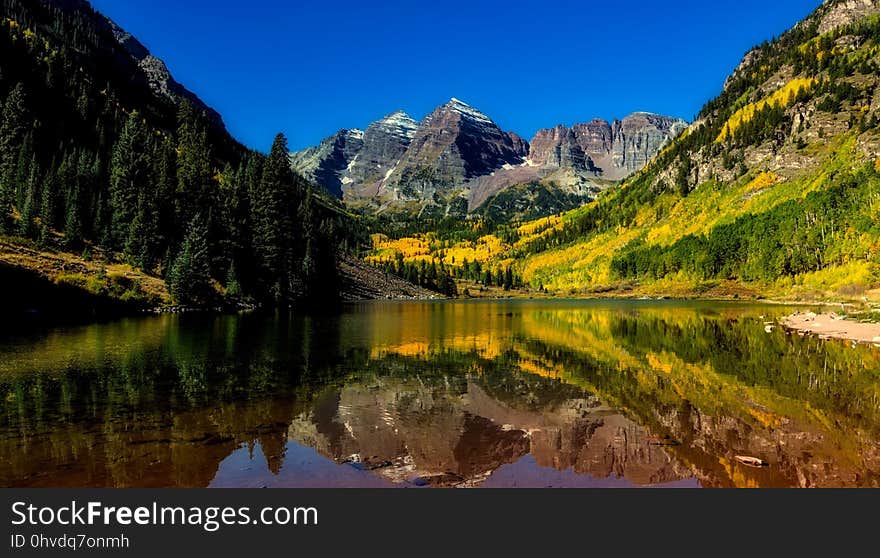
441 394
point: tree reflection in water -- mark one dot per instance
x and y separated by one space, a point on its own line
441 394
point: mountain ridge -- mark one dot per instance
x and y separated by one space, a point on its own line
760 188
771 192
457 159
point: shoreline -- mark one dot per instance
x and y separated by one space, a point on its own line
830 325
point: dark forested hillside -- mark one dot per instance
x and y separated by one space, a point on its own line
101 157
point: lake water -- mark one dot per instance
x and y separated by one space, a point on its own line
466 394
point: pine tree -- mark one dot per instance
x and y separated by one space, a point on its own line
273 232
47 200
13 125
18 180
27 227
73 236
143 230
13 128
194 168
167 231
129 173
189 279
233 286
318 272
235 209
88 177
141 239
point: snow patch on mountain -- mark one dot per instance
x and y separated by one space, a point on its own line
468 111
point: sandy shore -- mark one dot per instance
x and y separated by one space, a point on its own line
832 326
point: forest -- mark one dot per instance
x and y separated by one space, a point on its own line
795 237
94 162
97 162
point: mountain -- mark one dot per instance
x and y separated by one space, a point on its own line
457 159
154 69
772 191
568 166
613 151
119 183
384 144
324 163
452 145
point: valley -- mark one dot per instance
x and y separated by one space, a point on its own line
770 193
587 295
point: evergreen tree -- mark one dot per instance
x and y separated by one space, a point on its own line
88 177
195 175
233 286
18 180
162 202
235 220
318 270
27 227
273 232
189 278
47 199
13 127
129 173
142 233
73 236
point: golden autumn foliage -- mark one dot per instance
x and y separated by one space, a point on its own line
780 97
540 225
761 182
426 247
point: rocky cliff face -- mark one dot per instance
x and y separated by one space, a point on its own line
558 147
326 164
457 159
159 78
353 163
461 142
844 12
453 145
384 143
612 151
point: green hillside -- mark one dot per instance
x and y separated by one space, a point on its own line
773 190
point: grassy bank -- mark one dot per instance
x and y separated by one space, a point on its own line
97 276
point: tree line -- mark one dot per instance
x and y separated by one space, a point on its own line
431 276
828 227
93 162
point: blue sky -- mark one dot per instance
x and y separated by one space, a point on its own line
308 68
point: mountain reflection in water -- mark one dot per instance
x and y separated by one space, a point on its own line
464 394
